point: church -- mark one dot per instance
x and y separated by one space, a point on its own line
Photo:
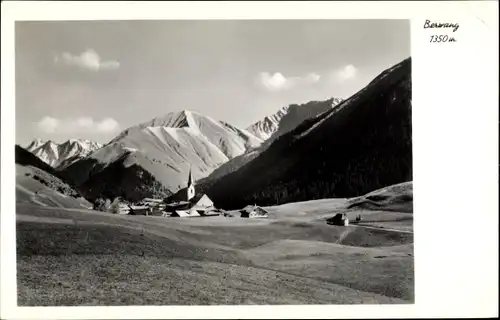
190 204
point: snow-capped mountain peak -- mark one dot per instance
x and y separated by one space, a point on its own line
54 154
289 117
265 128
168 146
35 144
180 119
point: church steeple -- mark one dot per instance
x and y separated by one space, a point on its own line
190 186
190 177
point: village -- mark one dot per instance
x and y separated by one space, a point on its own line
193 205
189 205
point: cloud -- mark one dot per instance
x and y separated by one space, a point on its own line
85 122
277 81
89 60
79 125
345 73
48 124
107 125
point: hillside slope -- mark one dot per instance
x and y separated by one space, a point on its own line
38 183
397 197
361 145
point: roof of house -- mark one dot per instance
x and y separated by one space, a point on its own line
181 213
139 207
198 197
210 213
251 208
152 200
178 200
177 204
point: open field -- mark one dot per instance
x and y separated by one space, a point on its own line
83 257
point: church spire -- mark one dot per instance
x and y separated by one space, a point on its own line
190 178
190 186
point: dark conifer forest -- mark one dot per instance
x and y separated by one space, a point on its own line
363 144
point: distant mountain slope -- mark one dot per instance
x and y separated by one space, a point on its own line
54 154
269 129
38 183
161 150
361 145
265 128
131 182
289 117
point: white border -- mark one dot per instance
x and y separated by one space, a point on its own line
455 130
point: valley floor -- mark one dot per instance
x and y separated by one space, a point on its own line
68 257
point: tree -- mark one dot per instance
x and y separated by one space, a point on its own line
115 206
99 204
107 205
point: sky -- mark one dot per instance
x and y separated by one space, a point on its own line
93 79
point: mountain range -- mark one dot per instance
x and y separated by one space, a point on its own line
64 154
330 148
270 128
156 156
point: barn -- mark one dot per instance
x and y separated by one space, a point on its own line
340 219
253 212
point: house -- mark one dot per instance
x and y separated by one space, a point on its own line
200 205
340 219
123 208
190 204
156 205
140 210
194 213
253 212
